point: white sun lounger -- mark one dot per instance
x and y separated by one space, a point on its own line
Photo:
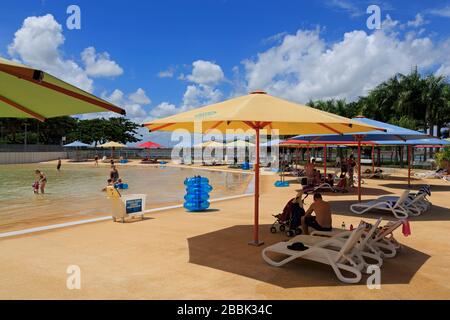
398 208
362 249
429 175
381 243
321 187
371 175
324 252
415 203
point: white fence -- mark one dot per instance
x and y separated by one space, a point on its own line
29 157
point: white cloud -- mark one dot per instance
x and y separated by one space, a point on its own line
444 69
133 103
346 6
305 67
140 97
442 12
194 96
38 44
417 22
169 73
206 73
199 95
99 64
164 109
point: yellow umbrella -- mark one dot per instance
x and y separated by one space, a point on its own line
210 144
239 144
112 145
29 93
258 111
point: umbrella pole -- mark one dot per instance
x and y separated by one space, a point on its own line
373 158
256 241
409 166
325 160
359 169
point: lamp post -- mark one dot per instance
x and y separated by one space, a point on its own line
25 138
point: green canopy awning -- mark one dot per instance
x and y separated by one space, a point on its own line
29 93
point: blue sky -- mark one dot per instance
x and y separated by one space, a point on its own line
183 54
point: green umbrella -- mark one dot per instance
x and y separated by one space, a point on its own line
29 93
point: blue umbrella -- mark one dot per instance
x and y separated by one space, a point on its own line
77 144
417 142
392 135
271 143
429 142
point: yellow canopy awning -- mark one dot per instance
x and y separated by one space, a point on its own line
240 144
113 144
29 93
258 111
261 110
210 144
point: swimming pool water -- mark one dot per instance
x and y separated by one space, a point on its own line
75 191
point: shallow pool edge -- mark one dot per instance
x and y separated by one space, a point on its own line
101 219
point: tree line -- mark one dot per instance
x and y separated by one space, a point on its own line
50 132
411 101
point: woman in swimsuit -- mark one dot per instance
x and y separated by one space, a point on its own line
42 179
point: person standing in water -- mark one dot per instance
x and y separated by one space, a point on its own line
96 160
114 174
41 178
58 167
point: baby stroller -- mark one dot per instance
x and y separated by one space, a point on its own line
290 220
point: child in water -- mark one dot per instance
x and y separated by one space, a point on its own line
110 184
36 187
41 181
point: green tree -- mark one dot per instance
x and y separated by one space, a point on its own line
101 130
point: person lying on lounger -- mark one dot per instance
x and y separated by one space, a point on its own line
322 220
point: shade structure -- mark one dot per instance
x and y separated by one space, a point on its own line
272 143
240 144
29 93
258 111
417 143
112 144
426 143
149 145
210 144
77 144
264 111
391 135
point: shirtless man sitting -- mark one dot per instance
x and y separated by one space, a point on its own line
322 220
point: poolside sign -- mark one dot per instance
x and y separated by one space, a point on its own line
126 206
133 206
